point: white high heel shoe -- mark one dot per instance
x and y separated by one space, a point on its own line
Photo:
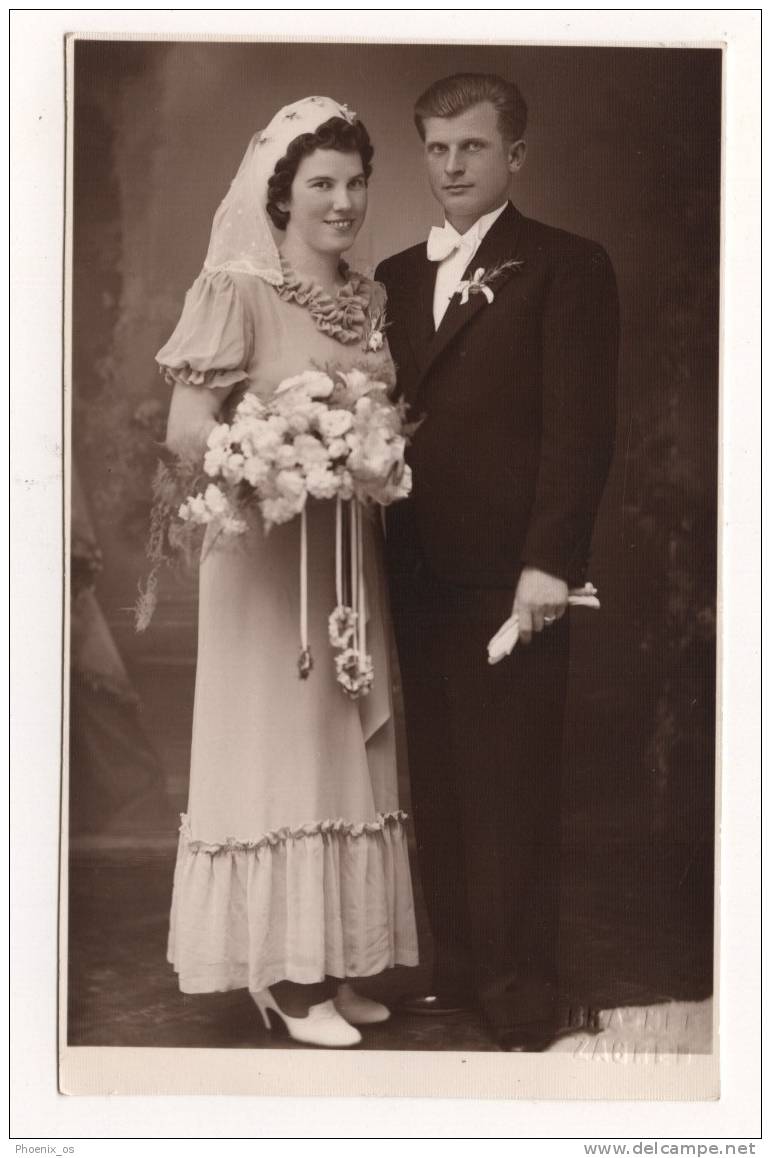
323 1025
359 1010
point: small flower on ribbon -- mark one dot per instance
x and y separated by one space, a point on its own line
342 626
355 672
305 663
349 114
479 282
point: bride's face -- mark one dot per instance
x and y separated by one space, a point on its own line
328 201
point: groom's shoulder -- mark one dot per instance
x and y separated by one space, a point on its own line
400 264
558 245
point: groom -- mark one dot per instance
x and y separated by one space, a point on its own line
504 332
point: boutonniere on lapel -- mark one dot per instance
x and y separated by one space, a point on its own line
479 282
374 334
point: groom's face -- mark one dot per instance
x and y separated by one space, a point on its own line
469 163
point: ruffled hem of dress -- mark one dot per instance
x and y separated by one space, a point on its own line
332 899
276 836
342 316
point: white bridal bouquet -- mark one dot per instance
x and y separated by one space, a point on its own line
321 435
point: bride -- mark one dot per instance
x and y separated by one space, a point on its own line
292 876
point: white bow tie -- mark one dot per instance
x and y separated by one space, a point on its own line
442 241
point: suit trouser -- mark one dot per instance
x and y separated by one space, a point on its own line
484 745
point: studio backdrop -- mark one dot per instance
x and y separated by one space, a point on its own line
624 146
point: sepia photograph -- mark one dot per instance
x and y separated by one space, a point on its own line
385 579
392 548
392 579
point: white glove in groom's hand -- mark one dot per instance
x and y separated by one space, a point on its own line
539 598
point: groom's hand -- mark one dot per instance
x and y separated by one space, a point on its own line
538 598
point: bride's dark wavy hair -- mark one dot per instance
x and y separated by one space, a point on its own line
336 133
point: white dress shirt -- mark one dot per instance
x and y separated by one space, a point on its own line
450 271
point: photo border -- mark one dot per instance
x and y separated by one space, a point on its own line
486 1083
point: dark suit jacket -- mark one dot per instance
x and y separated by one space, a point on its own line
518 396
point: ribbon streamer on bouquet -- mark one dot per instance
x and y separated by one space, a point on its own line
305 662
339 551
353 555
361 591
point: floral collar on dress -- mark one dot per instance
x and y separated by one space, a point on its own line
344 315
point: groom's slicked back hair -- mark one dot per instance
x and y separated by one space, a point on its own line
454 94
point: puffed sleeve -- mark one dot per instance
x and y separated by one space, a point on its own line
212 343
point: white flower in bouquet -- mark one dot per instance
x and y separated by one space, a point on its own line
337 448
364 408
390 420
251 406
256 471
203 508
313 411
291 486
345 485
219 437
275 511
352 384
355 384
298 410
322 483
310 452
259 438
286 456
194 510
214 460
399 485
278 425
216 501
242 428
356 381
233 468
299 422
311 383
372 459
374 415
379 390
335 423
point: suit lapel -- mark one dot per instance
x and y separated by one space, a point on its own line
500 244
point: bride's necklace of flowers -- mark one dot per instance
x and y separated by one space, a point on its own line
327 434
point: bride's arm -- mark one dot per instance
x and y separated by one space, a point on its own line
192 416
205 359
